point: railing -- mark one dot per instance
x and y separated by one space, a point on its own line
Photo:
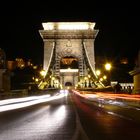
13 94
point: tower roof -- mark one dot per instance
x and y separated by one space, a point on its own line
68 25
68 30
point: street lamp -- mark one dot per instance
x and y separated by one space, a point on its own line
98 72
108 67
43 73
36 80
104 77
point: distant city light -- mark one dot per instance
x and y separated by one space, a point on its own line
124 61
34 67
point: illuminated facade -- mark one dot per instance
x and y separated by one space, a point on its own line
64 40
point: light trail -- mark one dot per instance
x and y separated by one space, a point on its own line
29 101
107 95
123 100
11 101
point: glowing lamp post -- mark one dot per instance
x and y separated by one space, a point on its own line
104 77
43 73
98 72
108 67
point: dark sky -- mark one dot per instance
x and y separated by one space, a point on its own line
20 21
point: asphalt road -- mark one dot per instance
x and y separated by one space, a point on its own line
66 118
103 122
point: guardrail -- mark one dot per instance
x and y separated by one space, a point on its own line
14 94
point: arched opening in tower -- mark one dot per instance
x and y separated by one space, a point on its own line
68 84
69 62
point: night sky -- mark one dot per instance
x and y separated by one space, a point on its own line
118 27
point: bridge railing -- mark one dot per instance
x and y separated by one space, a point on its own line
13 94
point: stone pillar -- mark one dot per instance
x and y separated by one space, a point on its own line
136 79
1 79
5 80
136 75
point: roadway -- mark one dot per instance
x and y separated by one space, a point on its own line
66 116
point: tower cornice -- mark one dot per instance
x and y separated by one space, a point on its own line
68 34
68 30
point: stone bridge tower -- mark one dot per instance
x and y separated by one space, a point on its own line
65 42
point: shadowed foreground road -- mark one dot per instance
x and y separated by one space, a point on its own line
51 120
59 120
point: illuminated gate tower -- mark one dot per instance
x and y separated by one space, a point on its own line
65 42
